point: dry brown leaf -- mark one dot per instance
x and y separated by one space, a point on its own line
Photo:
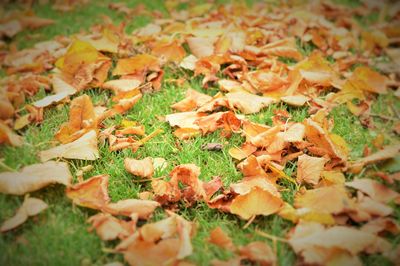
201 47
142 208
171 51
375 190
332 199
34 22
84 148
295 133
121 85
248 103
322 139
221 120
167 241
109 228
243 152
10 28
258 252
7 135
295 100
193 100
248 205
184 120
189 62
7 110
381 224
82 119
218 237
309 169
30 207
92 193
34 177
143 168
138 64
386 153
318 244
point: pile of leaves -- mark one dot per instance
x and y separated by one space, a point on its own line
252 55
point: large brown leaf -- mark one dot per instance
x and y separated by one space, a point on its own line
34 177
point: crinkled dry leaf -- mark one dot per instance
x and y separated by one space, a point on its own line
82 119
138 63
382 224
375 190
248 103
142 208
219 238
143 168
167 241
34 177
109 228
30 207
386 153
258 252
316 243
309 169
92 193
332 199
84 148
193 100
295 100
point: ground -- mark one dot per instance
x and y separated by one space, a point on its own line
60 235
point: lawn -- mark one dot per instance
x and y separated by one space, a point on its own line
60 236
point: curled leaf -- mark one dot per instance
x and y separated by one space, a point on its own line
84 148
143 168
30 207
92 193
34 177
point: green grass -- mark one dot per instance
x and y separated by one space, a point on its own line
59 235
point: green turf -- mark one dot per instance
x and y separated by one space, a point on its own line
59 236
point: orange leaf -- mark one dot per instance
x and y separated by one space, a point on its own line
248 205
91 193
142 168
138 63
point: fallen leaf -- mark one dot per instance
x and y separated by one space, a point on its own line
121 85
193 100
332 199
30 207
7 135
375 190
212 146
247 205
309 169
295 100
167 240
258 252
142 208
219 238
316 243
138 63
35 177
84 148
381 224
109 228
82 119
143 168
92 193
